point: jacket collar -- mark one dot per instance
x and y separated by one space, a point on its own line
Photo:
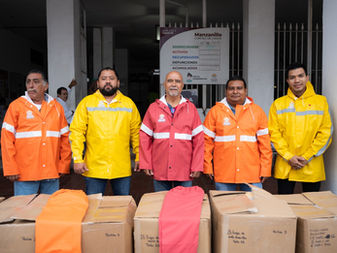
47 98
308 92
248 100
101 97
163 100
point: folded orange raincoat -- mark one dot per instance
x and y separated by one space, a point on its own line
58 227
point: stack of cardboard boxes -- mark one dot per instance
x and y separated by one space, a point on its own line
241 222
107 226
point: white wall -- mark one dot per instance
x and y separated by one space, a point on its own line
258 50
330 86
66 52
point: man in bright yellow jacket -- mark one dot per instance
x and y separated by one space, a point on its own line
301 130
107 121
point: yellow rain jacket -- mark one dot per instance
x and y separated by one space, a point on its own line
107 130
300 126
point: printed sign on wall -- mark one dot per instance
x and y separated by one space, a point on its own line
200 55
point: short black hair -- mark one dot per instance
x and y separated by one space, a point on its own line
37 71
59 90
108 68
236 78
295 65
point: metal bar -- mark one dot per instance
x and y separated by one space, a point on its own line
290 38
316 59
238 50
302 42
284 57
296 40
278 60
309 38
204 13
162 24
204 24
233 47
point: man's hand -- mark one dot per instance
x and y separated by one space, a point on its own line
148 172
195 174
136 166
80 168
211 176
13 178
72 84
303 161
264 179
297 162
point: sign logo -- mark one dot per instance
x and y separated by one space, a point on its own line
226 122
101 104
291 105
161 118
30 115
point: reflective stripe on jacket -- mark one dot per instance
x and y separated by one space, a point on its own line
300 126
171 146
239 144
35 143
107 129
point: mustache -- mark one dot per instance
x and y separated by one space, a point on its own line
31 90
107 85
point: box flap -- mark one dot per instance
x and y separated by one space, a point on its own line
32 210
233 202
108 209
9 206
311 211
295 199
262 203
151 203
325 199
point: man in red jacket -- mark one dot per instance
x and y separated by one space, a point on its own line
171 138
34 140
237 140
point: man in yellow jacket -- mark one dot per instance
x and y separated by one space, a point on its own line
237 143
107 121
301 129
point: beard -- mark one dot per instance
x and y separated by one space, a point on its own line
106 91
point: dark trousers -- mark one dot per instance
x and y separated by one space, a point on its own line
287 187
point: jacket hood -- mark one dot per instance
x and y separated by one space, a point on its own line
163 100
26 98
308 92
248 100
99 95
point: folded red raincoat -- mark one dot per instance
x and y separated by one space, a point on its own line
179 220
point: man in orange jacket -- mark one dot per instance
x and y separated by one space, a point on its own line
237 140
34 140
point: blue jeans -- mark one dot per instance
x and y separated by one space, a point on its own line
168 185
46 186
232 187
120 186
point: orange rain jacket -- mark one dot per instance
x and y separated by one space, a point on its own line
239 144
35 143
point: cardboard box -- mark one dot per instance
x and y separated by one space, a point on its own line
146 224
317 221
251 222
107 226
